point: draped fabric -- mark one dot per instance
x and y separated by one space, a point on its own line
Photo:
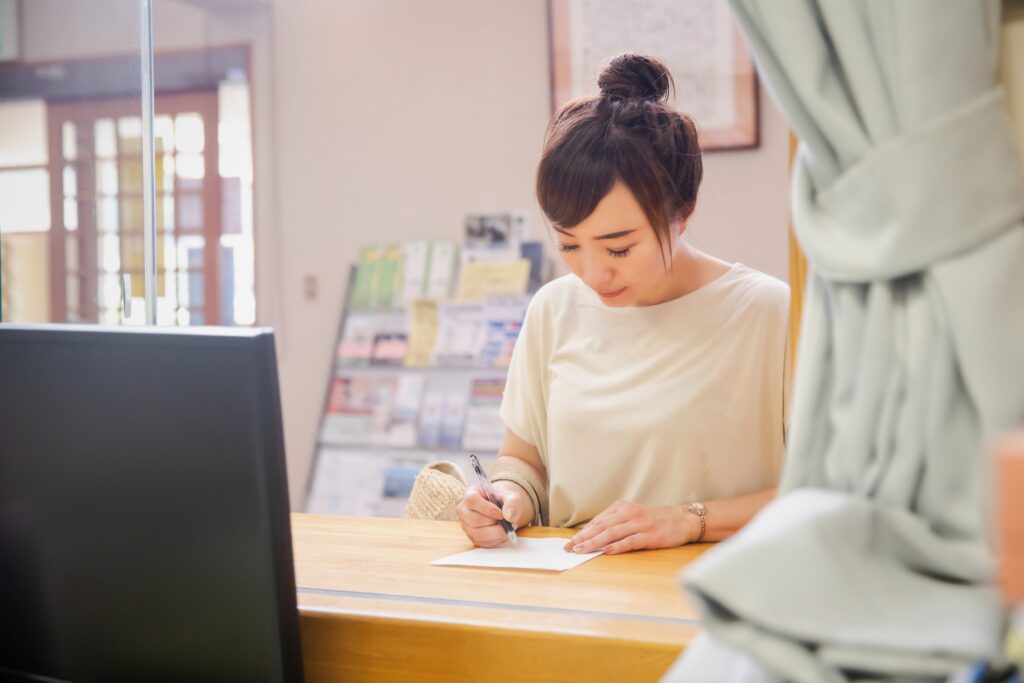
876 559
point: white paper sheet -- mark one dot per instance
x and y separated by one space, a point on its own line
530 553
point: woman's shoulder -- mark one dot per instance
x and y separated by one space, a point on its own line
754 289
557 294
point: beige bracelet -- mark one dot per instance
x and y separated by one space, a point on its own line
533 488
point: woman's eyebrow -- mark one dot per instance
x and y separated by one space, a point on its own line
609 236
615 235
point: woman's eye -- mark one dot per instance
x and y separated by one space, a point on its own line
568 247
620 253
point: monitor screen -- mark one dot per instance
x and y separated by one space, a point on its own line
144 519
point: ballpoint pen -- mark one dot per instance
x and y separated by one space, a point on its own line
492 496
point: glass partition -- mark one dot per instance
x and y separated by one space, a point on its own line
72 187
205 261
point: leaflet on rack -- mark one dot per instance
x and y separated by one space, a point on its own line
460 334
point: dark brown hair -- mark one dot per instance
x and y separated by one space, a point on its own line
630 133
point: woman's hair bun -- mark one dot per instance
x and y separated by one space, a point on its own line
635 76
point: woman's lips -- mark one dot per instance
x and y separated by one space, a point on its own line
612 294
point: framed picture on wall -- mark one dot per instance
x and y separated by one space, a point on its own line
698 41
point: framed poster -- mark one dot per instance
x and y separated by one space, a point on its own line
698 41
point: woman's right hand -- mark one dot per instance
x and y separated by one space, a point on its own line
479 517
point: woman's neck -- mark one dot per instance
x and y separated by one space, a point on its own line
691 269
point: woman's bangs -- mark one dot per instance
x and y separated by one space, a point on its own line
573 179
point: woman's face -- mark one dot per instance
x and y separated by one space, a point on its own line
615 252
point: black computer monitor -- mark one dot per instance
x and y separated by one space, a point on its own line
144 521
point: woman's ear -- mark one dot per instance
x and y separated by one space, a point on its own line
682 226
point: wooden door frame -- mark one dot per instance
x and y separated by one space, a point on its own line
797 275
205 103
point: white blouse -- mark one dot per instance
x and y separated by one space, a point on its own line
662 405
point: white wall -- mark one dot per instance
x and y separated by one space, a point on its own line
424 111
743 207
382 120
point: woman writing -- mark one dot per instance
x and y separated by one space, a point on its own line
645 394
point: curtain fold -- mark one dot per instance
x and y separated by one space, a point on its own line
875 561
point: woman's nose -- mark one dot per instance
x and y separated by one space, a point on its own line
596 272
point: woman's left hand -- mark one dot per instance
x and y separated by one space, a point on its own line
626 526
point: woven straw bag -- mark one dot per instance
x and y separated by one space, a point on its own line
438 488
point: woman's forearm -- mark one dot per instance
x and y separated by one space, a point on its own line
625 526
725 516
511 461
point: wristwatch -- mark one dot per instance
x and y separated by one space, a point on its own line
699 510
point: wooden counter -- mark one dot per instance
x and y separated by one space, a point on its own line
373 609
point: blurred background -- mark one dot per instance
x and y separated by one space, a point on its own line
287 136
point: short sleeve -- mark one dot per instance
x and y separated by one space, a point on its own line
525 400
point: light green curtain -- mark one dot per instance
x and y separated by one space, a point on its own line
876 558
